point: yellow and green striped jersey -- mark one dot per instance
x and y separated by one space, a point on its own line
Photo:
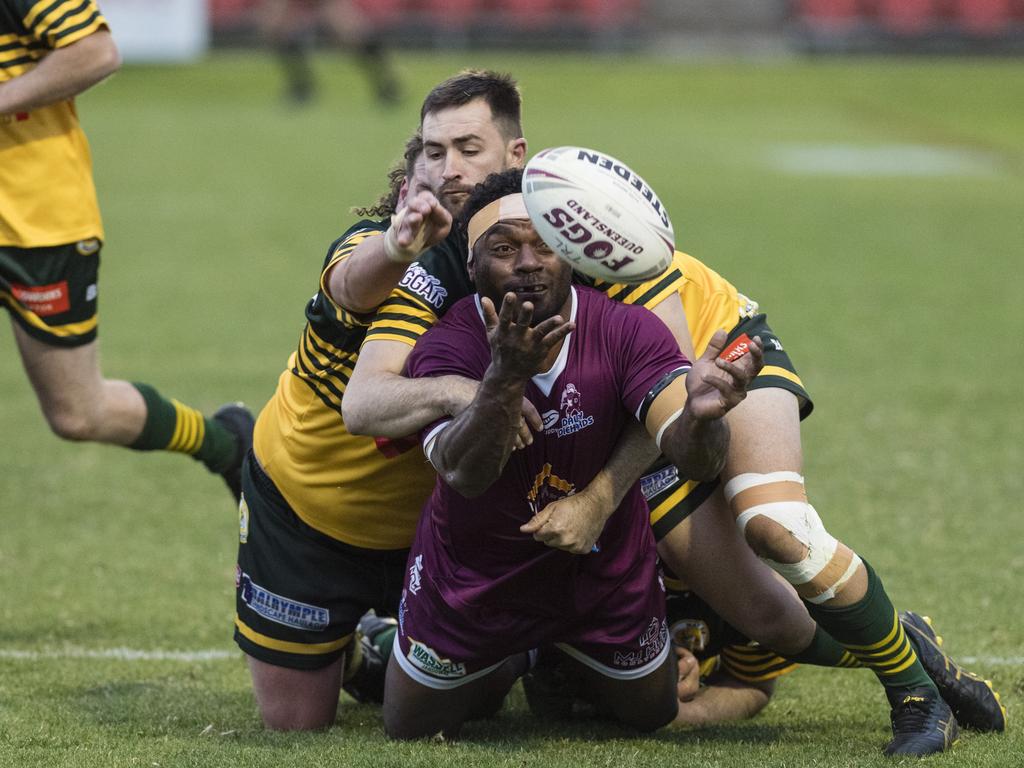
47 196
437 280
358 490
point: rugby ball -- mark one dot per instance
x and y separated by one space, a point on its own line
598 215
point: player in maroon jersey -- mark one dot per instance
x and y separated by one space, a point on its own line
480 592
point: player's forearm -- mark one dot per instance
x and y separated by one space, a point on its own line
62 74
386 404
722 703
633 454
696 446
471 452
364 280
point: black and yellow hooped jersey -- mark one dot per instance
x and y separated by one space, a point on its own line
361 491
438 279
47 195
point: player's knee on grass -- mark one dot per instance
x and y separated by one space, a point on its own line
296 699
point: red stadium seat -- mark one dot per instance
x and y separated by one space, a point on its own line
381 11
907 17
985 17
830 14
528 13
451 13
606 13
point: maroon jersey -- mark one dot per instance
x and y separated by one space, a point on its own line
607 372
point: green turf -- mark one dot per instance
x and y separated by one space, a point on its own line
898 299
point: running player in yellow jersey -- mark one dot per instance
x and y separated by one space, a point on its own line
50 241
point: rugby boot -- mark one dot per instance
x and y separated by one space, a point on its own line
922 723
973 701
365 682
239 421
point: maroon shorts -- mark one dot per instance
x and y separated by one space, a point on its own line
442 646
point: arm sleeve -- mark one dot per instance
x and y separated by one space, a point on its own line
340 250
57 23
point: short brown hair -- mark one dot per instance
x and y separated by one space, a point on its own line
388 202
499 90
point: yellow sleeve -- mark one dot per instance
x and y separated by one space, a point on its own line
59 23
754 664
648 294
341 252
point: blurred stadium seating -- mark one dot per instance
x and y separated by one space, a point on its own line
811 25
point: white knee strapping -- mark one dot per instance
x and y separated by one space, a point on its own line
780 497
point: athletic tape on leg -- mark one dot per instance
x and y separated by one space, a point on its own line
780 497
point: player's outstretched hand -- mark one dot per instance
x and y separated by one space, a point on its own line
518 349
423 223
715 385
572 524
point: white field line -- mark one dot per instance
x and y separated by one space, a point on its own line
118 654
214 654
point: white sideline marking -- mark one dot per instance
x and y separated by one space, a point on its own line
892 160
118 654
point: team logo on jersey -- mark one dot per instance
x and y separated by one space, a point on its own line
656 482
87 247
424 657
282 610
651 642
414 574
243 521
424 284
692 634
548 487
573 419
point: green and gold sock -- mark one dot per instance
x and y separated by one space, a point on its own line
870 630
173 426
825 651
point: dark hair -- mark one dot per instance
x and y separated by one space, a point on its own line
495 186
499 90
386 203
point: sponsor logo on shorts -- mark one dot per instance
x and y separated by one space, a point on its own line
424 284
737 349
87 247
243 521
651 642
423 657
90 292
281 610
656 482
414 574
44 300
692 634
402 610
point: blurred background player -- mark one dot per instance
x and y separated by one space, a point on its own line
291 27
50 241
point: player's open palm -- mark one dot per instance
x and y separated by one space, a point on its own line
518 350
716 385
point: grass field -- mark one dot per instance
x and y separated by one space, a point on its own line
898 296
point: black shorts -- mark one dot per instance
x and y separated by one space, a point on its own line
298 592
671 499
51 291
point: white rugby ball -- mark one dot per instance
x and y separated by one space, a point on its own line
598 215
